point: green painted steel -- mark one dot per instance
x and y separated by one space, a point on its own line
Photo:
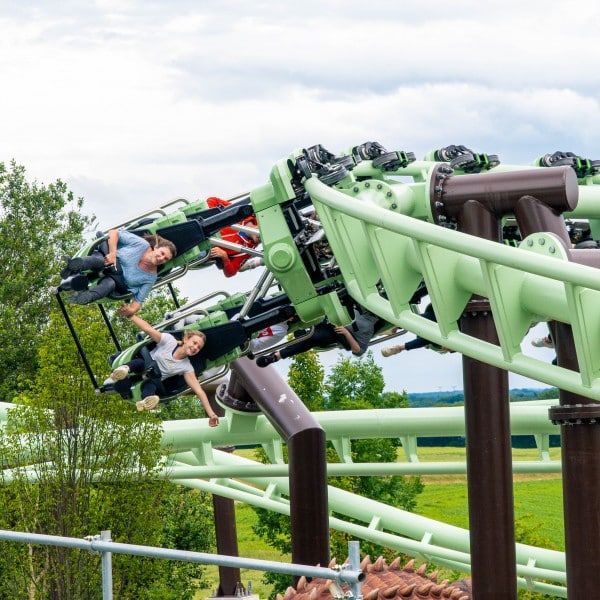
525 285
436 542
377 218
379 232
196 462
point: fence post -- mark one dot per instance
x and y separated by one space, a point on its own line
106 567
354 563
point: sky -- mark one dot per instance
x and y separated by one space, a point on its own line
136 103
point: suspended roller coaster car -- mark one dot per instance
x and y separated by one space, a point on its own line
295 249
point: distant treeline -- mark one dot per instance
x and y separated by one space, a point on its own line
457 398
517 441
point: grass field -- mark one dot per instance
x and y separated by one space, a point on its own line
537 497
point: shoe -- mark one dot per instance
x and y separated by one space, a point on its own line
120 373
390 351
78 283
544 342
73 266
148 403
269 359
74 283
84 297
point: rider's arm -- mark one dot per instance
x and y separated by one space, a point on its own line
194 385
113 240
128 310
354 346
154 334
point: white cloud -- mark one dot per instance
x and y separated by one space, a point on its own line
136 103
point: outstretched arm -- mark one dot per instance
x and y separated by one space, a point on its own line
128 310
154 334
194 385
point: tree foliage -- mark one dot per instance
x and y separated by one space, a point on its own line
38 225
357 384
80 463
305 377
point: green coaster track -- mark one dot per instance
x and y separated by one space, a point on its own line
393 224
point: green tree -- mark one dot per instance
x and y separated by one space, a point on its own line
305 377
38 225
548 394
82 463
357 384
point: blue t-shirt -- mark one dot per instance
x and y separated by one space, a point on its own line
130 249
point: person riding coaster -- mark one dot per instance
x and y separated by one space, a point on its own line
170 357
126 264
225 340
107 269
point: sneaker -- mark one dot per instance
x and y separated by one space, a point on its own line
120 373
269 359
544 342
390 351
84 297
148 403
73 266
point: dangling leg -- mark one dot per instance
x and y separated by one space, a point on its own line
150 398
104 288
135 365
93 262
120 376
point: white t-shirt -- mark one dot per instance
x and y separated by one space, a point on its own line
163 355
268 337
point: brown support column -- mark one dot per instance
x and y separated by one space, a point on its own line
534 216
305 438
226 534
488 447
580 433
489 467
579 418
224 515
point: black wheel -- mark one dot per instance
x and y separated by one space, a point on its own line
388 161
333 175
462 160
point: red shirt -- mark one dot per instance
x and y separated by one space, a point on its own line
234 260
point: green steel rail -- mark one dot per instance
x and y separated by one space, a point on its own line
267 486
379 230
524 285
196 462
385 245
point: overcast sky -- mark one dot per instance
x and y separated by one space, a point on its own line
134 103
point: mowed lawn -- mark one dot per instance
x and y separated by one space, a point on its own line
537 498
538 501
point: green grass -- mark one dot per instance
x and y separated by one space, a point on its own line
249 546
538 504
537 497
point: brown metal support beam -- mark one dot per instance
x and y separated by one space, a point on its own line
306 442
579 418
488 441
224 517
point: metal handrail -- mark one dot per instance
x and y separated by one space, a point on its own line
347 574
